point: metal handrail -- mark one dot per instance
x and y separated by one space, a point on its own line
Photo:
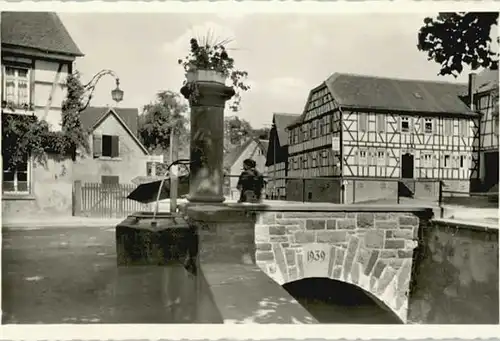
183 162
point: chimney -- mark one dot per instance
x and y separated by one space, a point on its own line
472 89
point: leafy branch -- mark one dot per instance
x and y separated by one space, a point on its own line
213 55
455 39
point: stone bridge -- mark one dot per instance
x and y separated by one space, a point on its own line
369 248
423 270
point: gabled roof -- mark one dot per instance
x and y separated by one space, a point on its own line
233 156
43 31
89 123
486 80
419 96
353 91
281 121
91 115
264 144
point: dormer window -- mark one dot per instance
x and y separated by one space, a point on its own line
405 124
428 125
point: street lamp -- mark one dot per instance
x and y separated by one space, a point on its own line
116 94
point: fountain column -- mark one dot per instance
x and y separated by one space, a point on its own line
207 139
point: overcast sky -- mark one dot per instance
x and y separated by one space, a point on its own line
285 54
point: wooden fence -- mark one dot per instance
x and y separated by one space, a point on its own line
106 201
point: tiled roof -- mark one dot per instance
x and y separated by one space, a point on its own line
43 31
419 96
486 80
233 156
91 115
283 120
265 145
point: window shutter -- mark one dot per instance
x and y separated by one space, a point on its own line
115 146
97 145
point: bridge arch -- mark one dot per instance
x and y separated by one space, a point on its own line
332 301
369 250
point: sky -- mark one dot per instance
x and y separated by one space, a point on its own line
285 55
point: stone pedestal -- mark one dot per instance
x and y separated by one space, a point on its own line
207 101
225 234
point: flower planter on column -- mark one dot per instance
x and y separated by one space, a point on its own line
205 76
207 95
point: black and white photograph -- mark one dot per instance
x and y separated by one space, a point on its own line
249 167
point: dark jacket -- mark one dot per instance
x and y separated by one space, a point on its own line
250 183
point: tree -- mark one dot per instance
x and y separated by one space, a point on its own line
455 39
159 118
236 130
262 133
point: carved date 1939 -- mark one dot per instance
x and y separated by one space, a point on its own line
316 256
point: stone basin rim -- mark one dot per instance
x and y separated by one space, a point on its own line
300 208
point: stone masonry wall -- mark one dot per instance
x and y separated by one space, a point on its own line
372 250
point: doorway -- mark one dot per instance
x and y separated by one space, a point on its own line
407 166
490 170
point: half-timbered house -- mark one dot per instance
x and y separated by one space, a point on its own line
277 156
485 99
37 56
377 130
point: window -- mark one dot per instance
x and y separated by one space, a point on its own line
405 124
447 127
305 132
428 125
462 161
447 161
363 121
106 145
371 157
16 180
324 158
427 160
362 157
483 102
380 123
314 129
464 128
110 179
16 86
314 160
328 124
305 161
381 158
495 124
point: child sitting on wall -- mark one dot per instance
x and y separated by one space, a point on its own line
250 182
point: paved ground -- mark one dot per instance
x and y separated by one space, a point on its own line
69 275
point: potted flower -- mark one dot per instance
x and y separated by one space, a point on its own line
210 62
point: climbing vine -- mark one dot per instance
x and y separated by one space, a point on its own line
24 135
